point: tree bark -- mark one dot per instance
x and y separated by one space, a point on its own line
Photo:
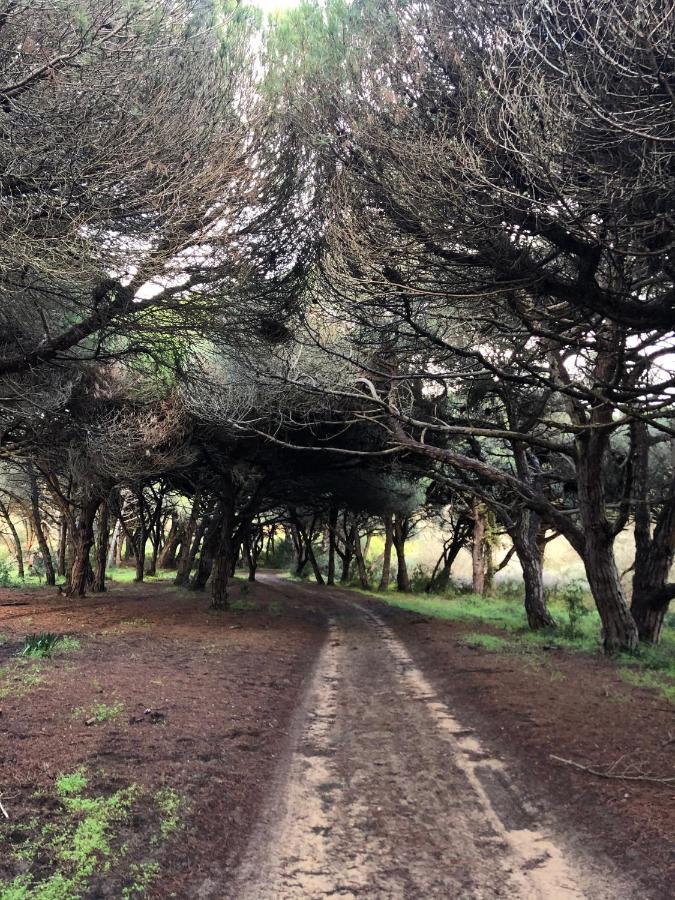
361 562
223 554
332 527
619 629
18 551
386 555
524 537
399 538
185 561
63 543
478 550
50 575
98 584
167 556
81 574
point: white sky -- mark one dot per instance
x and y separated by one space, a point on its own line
273 5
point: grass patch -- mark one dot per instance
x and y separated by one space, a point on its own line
486 641
578 629
99 712
85 842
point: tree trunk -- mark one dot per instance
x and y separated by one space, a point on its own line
361 563
653 554
209 545
222 562
524 537
478 549
251 558
98 584
167 556
50 575
185 558
332 527
81 574
386 556
402 578
63 543
619 629
113 548
18 551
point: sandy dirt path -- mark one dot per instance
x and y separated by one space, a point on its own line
385 794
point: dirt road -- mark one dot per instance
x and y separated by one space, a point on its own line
385 794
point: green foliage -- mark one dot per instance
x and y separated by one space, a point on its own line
574 596
40 645
100 712
6 575
84 838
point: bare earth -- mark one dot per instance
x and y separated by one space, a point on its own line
387 795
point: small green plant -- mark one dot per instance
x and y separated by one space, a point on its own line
6 578
99 712
573 596
275 607
40 645
168 803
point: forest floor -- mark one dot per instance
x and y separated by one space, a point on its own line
313 742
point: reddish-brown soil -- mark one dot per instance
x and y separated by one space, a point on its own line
224 693
220 688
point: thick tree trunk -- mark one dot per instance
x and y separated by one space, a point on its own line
222 561
332 528
98 584
398 535
50 575
619 629
386 555
209 545
251 558
653 553
81 575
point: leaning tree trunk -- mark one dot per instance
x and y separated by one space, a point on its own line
386 556
167 556
63 544
98 584
81 574
50 575
402 577
206 556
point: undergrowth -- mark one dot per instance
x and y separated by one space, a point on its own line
86 839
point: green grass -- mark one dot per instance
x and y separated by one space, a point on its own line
82 837
486 641
127 575
651 667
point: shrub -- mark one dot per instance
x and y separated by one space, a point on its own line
573 596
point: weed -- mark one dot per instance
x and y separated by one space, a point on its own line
168 803
574 597
133 623
242 605
99 712
275 608
85 841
